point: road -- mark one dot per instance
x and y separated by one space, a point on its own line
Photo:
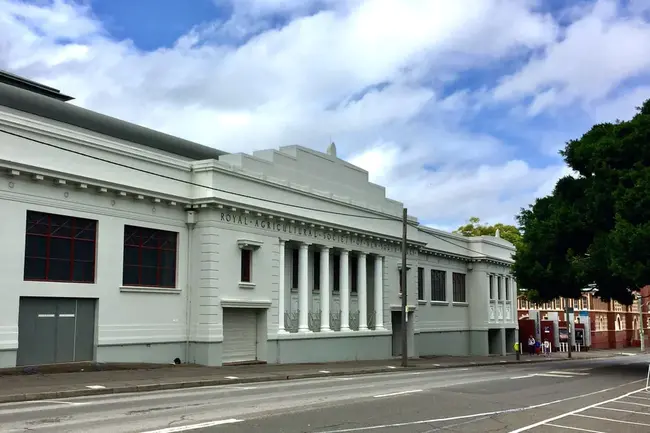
553 397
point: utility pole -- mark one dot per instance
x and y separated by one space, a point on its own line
639 299
405 320
568 325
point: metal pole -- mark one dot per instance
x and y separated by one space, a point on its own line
641 330
568 325
405 333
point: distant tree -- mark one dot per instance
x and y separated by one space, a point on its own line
595 227
475 228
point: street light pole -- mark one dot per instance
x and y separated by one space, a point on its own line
639 299
405 356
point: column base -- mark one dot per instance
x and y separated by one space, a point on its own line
328 329
283 332
345 329
380 328
363 328
304 331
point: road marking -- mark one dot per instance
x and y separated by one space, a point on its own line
575 428
391 367
183 428
570 372
324 371
639 398
69 403
232 377
393 394
577 411
626 411
96 386
611 420
635 404
523 377
489 414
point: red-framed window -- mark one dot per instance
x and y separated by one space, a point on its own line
59 248
246 265
149 257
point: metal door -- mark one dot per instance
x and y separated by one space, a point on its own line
55 330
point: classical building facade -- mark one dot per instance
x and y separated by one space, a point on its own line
127 244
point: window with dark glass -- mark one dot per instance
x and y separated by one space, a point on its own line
420 284
459 291
149 257
507 289
336 271
399 276
493 294
316 270
59 248
438 285
294 268
246 265
354 270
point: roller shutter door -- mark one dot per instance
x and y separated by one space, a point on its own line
239 335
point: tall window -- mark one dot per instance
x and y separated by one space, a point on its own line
493 294
246 265
499 288
294 268
508 289
149 257
420 284
59 248
354 271
316 271
336 272
399 276
460 293
438 285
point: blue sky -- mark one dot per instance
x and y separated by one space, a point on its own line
458 108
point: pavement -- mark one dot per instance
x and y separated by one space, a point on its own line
601 395
75 380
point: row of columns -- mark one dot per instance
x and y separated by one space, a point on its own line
344 289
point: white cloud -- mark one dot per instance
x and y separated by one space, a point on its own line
596 53
356 72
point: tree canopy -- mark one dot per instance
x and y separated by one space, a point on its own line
594 229
475 228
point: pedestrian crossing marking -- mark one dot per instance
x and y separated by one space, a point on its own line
555 373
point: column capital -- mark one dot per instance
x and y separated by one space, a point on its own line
325 248
344 251
362 253
282 240
304 244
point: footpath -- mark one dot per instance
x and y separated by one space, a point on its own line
83 379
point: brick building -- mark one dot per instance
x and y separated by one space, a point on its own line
613 325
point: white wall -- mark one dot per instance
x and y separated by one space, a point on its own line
123 318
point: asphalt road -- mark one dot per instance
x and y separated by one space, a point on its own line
571 396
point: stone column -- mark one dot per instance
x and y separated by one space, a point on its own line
325 290
303 288
362 292
344 288
379 292
281 289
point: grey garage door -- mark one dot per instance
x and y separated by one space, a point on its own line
239 335
54 330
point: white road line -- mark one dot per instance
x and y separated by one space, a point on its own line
487 414
623 410
96 386
325 371
183 428
639 398
611 420
575 428
577 411
393 394
69 403
551 375
232 377
635 404
570 373
523 377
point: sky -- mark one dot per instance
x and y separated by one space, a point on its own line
458 108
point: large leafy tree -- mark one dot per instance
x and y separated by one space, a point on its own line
594 229
474 227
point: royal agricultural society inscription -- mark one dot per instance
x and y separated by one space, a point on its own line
291 229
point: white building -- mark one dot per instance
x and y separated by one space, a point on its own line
126 244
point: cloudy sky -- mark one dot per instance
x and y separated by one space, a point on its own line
458 107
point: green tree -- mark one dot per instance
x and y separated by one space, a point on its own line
475 228
595 226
